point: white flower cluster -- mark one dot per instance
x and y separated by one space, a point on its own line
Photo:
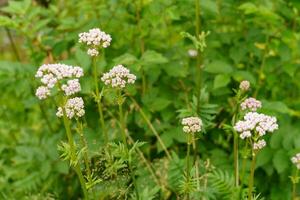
95 38
257 125
73 108
50 74
93 52
257 122
259 144
72 87
192 53
118 77
191 124
296 160
251 104
245 85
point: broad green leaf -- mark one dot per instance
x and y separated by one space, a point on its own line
281 160
152 57
221 80
218 66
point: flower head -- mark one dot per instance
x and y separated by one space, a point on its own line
259 144
245 85
51 74
74 108
118 77
95 39
191 124
256 123
296 160
192 53
251 104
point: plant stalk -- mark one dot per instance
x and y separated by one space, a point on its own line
98 101
294 194
251 179
73 154
188 161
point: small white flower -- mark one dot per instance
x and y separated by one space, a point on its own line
95 38
93 52
42 92
192 53
245 85
251 104
259 144
51 74
245 134
191 124
296 160
118 77
73 108
72 87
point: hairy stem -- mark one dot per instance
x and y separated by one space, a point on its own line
73 154
151 127
198 62
188 162
98 101
294 193
251 179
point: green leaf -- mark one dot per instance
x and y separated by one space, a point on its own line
7 22
152 57
264 156
281 160
125 59
218 67
221 80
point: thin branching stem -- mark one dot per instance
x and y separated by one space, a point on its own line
294 192
98 101
251 178
73 154
151 127
188 161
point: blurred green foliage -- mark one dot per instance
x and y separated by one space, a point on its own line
255 40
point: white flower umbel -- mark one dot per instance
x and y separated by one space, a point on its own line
191 124
258 123
95 38
251 104
93 52
42 92
118 77
72 87
74 108
245 85
192 53
51 74
259 144
296 160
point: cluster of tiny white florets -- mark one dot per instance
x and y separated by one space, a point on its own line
72 87
257 125
50 74
93 52
74 108
245 85
118 77
251 104
259 144
191 124
192 53
296 160
257 122
95 39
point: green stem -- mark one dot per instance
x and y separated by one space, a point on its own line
188 162
294 194
236 158
84 145
251 179
198 62
122 124
98 101
123 132
73 154
151 127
